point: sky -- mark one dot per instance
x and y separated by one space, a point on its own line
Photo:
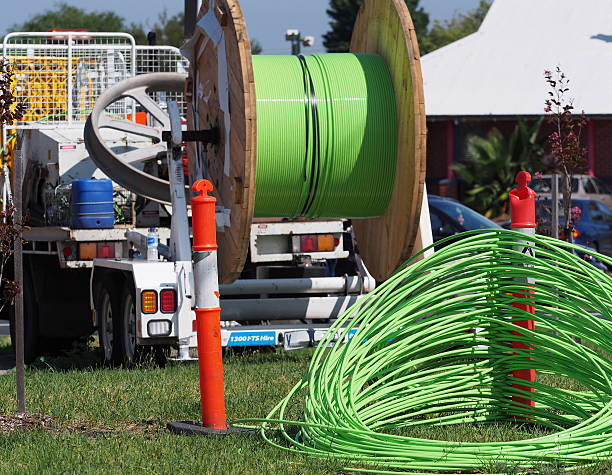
267 20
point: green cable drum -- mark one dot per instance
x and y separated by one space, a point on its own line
320 136
326 136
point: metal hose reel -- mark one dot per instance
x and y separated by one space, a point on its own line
121 167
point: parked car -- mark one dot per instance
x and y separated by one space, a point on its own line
450 217
583 186
594 227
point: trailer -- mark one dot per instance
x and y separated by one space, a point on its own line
79 281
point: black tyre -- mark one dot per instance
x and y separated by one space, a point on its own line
125 325
128 351
107 311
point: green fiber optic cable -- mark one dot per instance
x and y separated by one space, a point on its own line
326 135
433 347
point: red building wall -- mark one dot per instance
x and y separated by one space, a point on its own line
440 181
603 149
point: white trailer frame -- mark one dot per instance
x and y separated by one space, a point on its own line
177 274
332 295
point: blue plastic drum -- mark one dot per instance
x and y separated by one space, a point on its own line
91 204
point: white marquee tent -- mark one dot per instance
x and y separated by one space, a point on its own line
499 70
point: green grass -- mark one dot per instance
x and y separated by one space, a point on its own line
5 345
114 420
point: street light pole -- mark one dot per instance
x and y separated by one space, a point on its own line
297 41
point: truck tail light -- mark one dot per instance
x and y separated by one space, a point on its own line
167 299
325 242
105 250
317 242
90 250
149 301
87 251
308 243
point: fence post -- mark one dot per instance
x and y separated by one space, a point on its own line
18 263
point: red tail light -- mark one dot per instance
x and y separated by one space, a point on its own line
106 250
308 243
318 242
575 234
168 301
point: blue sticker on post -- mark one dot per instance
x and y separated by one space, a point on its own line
252 338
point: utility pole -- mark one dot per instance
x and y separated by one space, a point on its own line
18 262
297 41
192 7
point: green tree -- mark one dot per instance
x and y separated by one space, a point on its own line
256 47
493 162
169 30
460 25
67 17
343 14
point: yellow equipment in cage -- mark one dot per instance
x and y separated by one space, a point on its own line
41 83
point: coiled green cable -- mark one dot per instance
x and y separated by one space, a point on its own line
433 347
326 136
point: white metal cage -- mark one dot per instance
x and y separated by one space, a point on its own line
59 75
163 59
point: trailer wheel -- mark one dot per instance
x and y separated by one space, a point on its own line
106 311
126 327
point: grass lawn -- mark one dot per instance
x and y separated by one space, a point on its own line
114 420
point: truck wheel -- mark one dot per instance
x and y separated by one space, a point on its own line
126 327
106 312
31 348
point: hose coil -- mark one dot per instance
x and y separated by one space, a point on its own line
433 347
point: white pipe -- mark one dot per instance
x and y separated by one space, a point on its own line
286 308
69 84
348 284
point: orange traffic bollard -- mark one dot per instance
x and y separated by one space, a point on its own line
522 213
208 313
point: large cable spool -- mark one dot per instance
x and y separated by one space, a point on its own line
221 88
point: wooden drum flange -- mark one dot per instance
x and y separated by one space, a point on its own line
232 174
383 27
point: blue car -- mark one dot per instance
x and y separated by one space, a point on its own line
450 217
593 228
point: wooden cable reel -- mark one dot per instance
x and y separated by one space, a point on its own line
221 87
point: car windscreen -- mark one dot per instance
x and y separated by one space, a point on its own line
599 212
543 185
602 188
466 217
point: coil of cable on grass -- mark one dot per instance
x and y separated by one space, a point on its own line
432 349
